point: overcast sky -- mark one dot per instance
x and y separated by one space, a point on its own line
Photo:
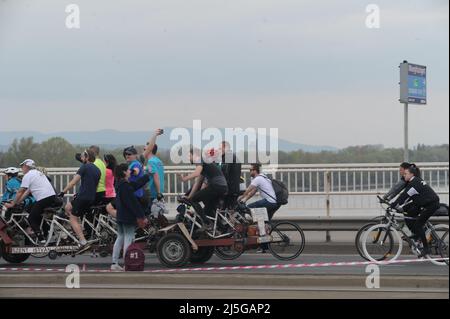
310 68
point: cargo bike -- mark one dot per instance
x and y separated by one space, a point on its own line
233 232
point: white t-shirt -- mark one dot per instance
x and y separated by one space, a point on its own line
38 184
264 185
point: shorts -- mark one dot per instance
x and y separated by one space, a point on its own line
99 197
113 203
81 207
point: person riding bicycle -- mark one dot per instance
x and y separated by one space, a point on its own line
215 189
89 175
12 185
400 185
37 184
420 202
101 187
261 183
231 169
110 191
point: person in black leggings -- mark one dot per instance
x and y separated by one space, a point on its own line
216 186
423 203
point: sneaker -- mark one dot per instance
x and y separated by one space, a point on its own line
116 267
426 252
261 251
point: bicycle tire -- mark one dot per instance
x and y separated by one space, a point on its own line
390 231
297 252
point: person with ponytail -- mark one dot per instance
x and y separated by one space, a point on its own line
420 202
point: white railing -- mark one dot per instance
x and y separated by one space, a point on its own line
342 189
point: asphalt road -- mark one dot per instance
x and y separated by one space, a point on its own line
412 280
152 263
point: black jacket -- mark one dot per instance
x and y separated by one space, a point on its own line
419 192
128 207
231 169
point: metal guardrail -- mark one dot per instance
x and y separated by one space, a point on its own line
322 187
342 223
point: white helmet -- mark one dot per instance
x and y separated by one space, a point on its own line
11 170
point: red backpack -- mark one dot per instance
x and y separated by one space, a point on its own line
134 258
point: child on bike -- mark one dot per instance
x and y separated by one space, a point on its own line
12 185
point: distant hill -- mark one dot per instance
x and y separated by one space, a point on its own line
110 139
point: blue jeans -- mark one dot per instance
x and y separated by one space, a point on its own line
271 207
125 237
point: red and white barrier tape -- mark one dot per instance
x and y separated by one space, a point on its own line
285 266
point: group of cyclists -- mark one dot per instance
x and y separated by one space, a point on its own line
217 178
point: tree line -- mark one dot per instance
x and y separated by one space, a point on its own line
58 152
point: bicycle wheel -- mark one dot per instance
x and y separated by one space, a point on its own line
444 247
437 238
288 241
227 252
379 243
358 238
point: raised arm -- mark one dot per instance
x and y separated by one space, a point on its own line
151 143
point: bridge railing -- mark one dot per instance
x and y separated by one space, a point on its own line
312 188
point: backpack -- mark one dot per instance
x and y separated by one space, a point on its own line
134 258
280 189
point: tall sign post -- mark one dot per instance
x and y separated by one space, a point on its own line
413 90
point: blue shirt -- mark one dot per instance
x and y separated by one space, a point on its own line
155 165
90 176
11 188
133 178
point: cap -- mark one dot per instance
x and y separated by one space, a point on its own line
28 162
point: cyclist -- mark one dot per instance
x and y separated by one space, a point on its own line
37 184
101 187
110 191
216 188
400 185
12 185
420 202
231 169
137 171
89 175
156 167
261 183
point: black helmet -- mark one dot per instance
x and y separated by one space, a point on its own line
131 150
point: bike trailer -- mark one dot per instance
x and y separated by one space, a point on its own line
134 258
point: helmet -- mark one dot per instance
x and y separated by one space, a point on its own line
131 150
11 171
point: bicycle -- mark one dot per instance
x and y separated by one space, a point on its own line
384 219
285 240
384 238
